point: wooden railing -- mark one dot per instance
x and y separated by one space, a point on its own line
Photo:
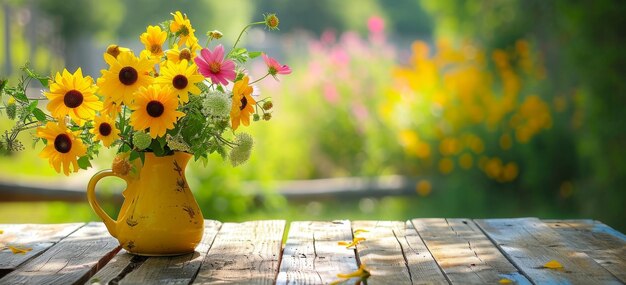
351 187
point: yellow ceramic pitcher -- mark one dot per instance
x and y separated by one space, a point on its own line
160 215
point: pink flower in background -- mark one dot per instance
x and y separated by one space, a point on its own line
212 65
376 24
331 94
274 67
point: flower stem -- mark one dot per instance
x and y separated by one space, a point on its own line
259 79
242 31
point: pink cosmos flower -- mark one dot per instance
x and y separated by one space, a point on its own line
212 65
274 67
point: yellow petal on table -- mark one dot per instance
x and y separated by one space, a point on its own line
553 264
19 250
505 281
358 231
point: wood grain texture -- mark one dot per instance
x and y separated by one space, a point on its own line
395 254
125 268
312 254
602 243
71 261
529 244
464 253
38 237
243 253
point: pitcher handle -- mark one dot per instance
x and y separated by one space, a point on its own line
93 202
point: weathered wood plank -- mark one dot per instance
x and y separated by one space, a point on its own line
38 237
243 253
602 243
71 261
529 244
125 268
312 254
395 254
464 253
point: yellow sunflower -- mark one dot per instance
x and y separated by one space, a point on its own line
155 108
111 108
73 95
125 75
181 26
104 130
182 77
189 53
63 146
243 103
153 39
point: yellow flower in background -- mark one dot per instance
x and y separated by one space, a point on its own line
182 78
446 165
73 95
153 40
126 74
155 108
243 103
493 168
104 130
466 161
63 147
423 188
506 142
510 172
181 27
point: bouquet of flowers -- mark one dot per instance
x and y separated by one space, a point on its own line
183 97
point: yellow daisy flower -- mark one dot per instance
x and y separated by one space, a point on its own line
182 77
125 75
243 103
155 108
73 95
181 26
153 39
111 108
189 53
63 146
104 130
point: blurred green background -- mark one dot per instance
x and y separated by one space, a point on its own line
496 108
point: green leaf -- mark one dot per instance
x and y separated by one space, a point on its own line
32 106
254 54
157 148
3 83
42 79
137 154
20 96
39 114
83 162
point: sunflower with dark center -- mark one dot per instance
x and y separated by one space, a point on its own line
243 103
126 74
104 130
182 77
73 95
63 147
154 108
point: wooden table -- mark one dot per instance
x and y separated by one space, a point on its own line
418 251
